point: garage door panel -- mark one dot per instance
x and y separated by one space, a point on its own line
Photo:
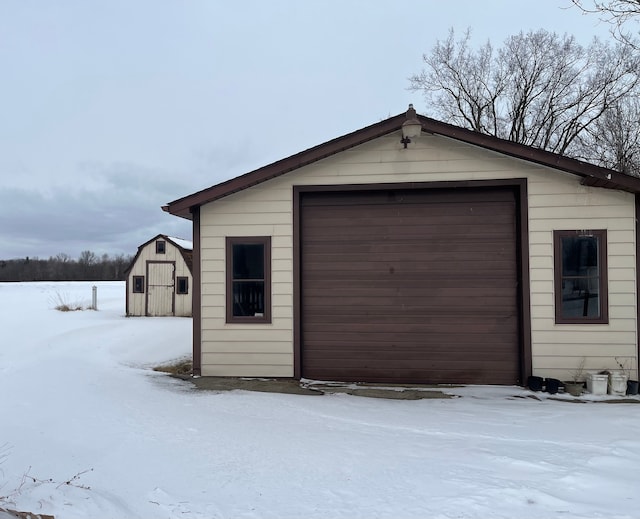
367 316
415 286
442 361
479 263
373 299
409 215
414 338
336 337
472 375
431 224
444 197
447 295
433 251
337 233
453 269
438 343
459 211
392 251
381 323
434 278
488 309
349 323
433 309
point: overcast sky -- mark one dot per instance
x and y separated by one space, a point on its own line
109 109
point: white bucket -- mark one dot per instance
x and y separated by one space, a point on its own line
597 383
617 383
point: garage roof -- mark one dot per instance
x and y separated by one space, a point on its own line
591 174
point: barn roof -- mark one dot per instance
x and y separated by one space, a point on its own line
184 246
180 242
591 174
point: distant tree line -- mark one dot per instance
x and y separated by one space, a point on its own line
62 267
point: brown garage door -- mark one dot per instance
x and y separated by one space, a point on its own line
410 286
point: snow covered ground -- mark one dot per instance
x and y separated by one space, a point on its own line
77 398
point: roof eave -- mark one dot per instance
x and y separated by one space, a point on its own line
183 206
591 174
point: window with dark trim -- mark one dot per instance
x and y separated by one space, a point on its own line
182 285
248 287
160 247
580 277
138 284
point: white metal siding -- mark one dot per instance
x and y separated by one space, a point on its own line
557 200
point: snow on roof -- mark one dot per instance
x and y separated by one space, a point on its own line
185 244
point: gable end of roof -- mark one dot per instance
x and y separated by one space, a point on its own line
185 251
591 174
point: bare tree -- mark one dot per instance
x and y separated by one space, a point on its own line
619 13
614 139
88 258
87 263
62 257
621 10
539 88
57 265
464 83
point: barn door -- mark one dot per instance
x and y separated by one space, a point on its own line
160 289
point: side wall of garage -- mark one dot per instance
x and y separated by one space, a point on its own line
556 201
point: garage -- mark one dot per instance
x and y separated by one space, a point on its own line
415 285
430 261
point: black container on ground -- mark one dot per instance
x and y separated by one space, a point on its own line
632 387
552 385
535 383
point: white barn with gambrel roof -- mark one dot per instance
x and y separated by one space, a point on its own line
159 280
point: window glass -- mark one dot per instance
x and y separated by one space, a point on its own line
138 284
248 298
183 285
249 279
248 261
580 272
160 247
580 277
